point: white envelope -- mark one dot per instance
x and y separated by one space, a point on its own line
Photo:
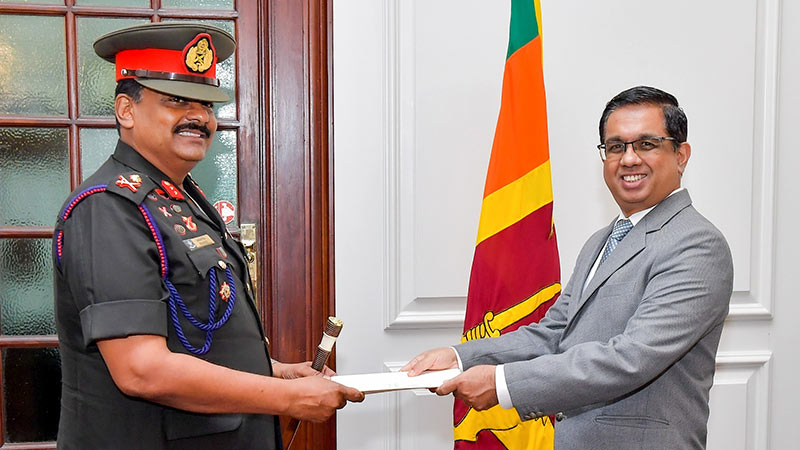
369 383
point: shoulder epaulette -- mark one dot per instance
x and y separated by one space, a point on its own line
131 185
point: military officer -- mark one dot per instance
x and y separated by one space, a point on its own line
161 344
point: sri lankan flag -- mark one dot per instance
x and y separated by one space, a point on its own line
515 272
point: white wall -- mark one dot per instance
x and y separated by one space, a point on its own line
416 95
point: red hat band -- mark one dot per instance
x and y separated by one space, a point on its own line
196 63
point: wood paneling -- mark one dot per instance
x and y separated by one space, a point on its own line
297 239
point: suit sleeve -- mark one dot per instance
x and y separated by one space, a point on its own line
112 267
686 297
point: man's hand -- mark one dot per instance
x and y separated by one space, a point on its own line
436 359
317 399
289 371
475 386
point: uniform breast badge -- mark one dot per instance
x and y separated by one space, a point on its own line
190 225
225 291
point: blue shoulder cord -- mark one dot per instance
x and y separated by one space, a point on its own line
175 300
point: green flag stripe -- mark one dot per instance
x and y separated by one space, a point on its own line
523 25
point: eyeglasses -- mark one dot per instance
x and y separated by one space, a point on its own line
612 151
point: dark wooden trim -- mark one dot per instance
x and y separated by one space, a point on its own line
28 341
26 232
301 290
57 10
29 446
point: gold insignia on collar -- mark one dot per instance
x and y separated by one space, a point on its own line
199 54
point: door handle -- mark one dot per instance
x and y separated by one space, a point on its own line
248 239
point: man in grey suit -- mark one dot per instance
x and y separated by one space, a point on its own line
625 357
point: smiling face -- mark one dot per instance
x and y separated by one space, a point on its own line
638 182
173 133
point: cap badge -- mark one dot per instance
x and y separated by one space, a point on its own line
199 54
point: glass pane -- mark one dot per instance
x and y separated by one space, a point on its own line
33 76
198 4
95 75
139 3
226 71
97 144
31 393
217 174
26 287
34 169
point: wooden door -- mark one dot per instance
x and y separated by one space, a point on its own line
269 161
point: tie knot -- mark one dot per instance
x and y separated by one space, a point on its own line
621 228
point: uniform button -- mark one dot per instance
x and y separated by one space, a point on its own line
222 264
560 416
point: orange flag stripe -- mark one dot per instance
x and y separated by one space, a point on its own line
513 202
520 141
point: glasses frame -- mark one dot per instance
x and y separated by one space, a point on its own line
661 139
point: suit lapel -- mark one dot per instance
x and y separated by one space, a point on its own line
631 245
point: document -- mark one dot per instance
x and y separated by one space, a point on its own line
370 383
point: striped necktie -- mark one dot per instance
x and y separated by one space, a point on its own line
621 228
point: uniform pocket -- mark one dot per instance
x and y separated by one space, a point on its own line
184 424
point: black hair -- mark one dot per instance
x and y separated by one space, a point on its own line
674 118
130 88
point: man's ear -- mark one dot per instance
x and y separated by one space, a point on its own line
123 109
683 152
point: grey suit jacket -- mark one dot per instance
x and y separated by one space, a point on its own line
630 359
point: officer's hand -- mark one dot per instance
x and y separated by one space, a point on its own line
317 398
436 359
476 386
298 370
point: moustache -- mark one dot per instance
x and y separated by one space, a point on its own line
192 126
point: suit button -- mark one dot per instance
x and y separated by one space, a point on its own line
560 416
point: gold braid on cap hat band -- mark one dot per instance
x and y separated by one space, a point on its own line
141 73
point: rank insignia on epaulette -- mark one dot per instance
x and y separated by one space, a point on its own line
164 211
134 183
172 191
190 225
225 291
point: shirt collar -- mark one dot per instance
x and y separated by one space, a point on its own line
128 156
637 216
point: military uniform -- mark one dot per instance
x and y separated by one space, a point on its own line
109 267
136 255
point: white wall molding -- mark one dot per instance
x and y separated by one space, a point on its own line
398 154
757 302
745 375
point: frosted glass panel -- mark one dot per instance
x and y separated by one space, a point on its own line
226 72
31 394
97 144
34 169
33 73
198 4
96 80
26 287
217 173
